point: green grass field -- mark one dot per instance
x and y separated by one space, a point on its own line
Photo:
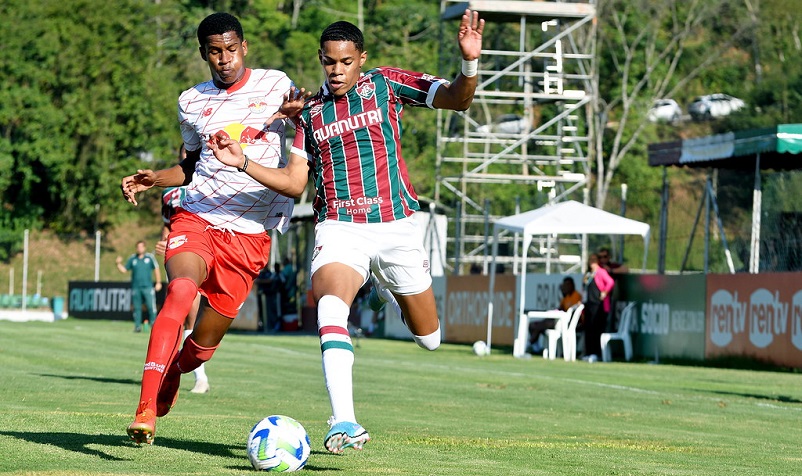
70 388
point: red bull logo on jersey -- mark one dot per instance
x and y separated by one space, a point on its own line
245 135
257 104
366 90
352 123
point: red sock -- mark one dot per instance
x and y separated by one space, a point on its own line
165 337
192 355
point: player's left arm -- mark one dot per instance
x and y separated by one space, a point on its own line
289 180
459 94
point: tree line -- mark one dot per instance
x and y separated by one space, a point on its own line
90 88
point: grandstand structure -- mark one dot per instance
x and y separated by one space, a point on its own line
530 126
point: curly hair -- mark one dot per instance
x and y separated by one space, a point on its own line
343 31
217 24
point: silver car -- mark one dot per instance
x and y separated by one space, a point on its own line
665 110
713 106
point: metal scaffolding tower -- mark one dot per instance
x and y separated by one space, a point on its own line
530 125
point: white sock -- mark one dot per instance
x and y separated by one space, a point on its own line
338 356
200 372
429 342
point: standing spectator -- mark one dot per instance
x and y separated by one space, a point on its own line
269 288
350 133
142 266
610 266
598 285
289 289
218 241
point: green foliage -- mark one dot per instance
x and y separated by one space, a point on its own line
90 91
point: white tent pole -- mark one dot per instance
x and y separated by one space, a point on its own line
491 294
521 321
548 254
517 238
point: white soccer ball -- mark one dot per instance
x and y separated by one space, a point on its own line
480 348
278 443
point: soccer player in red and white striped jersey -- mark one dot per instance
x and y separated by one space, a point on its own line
218 242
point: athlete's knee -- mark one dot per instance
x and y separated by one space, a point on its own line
430 341
178 301
330 310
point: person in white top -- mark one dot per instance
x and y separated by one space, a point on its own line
218 241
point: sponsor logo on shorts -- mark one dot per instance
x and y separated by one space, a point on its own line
426 265
176 241
154 366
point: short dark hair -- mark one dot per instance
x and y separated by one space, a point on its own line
217 24
343 31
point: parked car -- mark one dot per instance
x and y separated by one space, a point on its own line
665 110
505 124
713 106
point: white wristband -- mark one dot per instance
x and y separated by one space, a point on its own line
470 68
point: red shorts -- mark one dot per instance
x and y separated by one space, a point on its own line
233 260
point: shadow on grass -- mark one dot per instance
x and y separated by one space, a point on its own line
308 467
125 381
79 443
773 398
732 362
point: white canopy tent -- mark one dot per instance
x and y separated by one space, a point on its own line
564 218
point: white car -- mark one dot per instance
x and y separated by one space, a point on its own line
505 124
713 106
665 110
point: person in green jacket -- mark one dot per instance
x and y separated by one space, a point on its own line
142 266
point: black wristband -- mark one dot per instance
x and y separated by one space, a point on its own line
244 165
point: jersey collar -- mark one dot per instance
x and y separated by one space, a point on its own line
241 83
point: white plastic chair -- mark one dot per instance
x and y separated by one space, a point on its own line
622 335
564 331
569 335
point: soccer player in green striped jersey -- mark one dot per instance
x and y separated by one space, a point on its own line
349 134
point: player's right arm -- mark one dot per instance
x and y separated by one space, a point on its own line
289 180
144 179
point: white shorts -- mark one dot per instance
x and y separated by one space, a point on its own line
393 251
